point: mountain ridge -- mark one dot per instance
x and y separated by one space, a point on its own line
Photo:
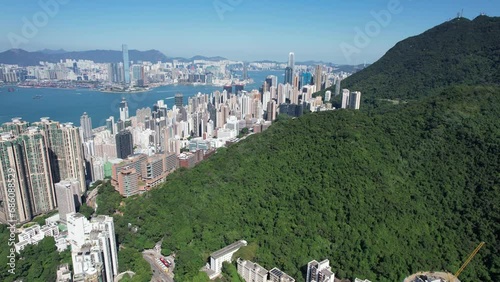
454 52
27 58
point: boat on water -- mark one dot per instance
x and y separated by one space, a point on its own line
37 97
11 89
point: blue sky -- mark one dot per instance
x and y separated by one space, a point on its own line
325 30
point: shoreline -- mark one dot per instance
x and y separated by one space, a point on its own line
124 92
48 87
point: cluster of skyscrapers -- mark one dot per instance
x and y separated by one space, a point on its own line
147 146
47 165
34 157
351 100
125 73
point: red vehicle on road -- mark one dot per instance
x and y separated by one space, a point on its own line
165 262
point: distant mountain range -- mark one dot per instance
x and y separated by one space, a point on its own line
26 58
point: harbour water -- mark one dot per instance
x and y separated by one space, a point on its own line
67 105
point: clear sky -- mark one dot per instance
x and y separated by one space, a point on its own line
325 30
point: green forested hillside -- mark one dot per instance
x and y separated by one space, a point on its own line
459 51
380 195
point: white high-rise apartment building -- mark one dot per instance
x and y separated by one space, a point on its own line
319 272
345 98
93 247
355 100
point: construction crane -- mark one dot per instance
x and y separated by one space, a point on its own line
471 256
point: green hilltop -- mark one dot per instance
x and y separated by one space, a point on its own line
382 193
459 51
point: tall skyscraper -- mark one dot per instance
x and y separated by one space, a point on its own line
179 100
319 272
115 73
123 110
291 60
25 176
289 70
296 81
245 71
269 81
271 110
126 64
355 100
345 98
317 77
306 79
328 96
124 144
137 74
110 125
337 86
68 197
86 126
265 87
288 75
65 151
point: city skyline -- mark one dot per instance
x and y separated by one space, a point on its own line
237 30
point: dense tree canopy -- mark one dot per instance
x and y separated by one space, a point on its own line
380 195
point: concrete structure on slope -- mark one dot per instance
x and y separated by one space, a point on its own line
223 255
429 277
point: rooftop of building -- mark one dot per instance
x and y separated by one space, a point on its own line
228 249
185 155
282 275
76 215
255 266
101 218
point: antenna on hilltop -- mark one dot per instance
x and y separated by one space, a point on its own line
462 13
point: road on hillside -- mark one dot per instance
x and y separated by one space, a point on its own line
159 275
